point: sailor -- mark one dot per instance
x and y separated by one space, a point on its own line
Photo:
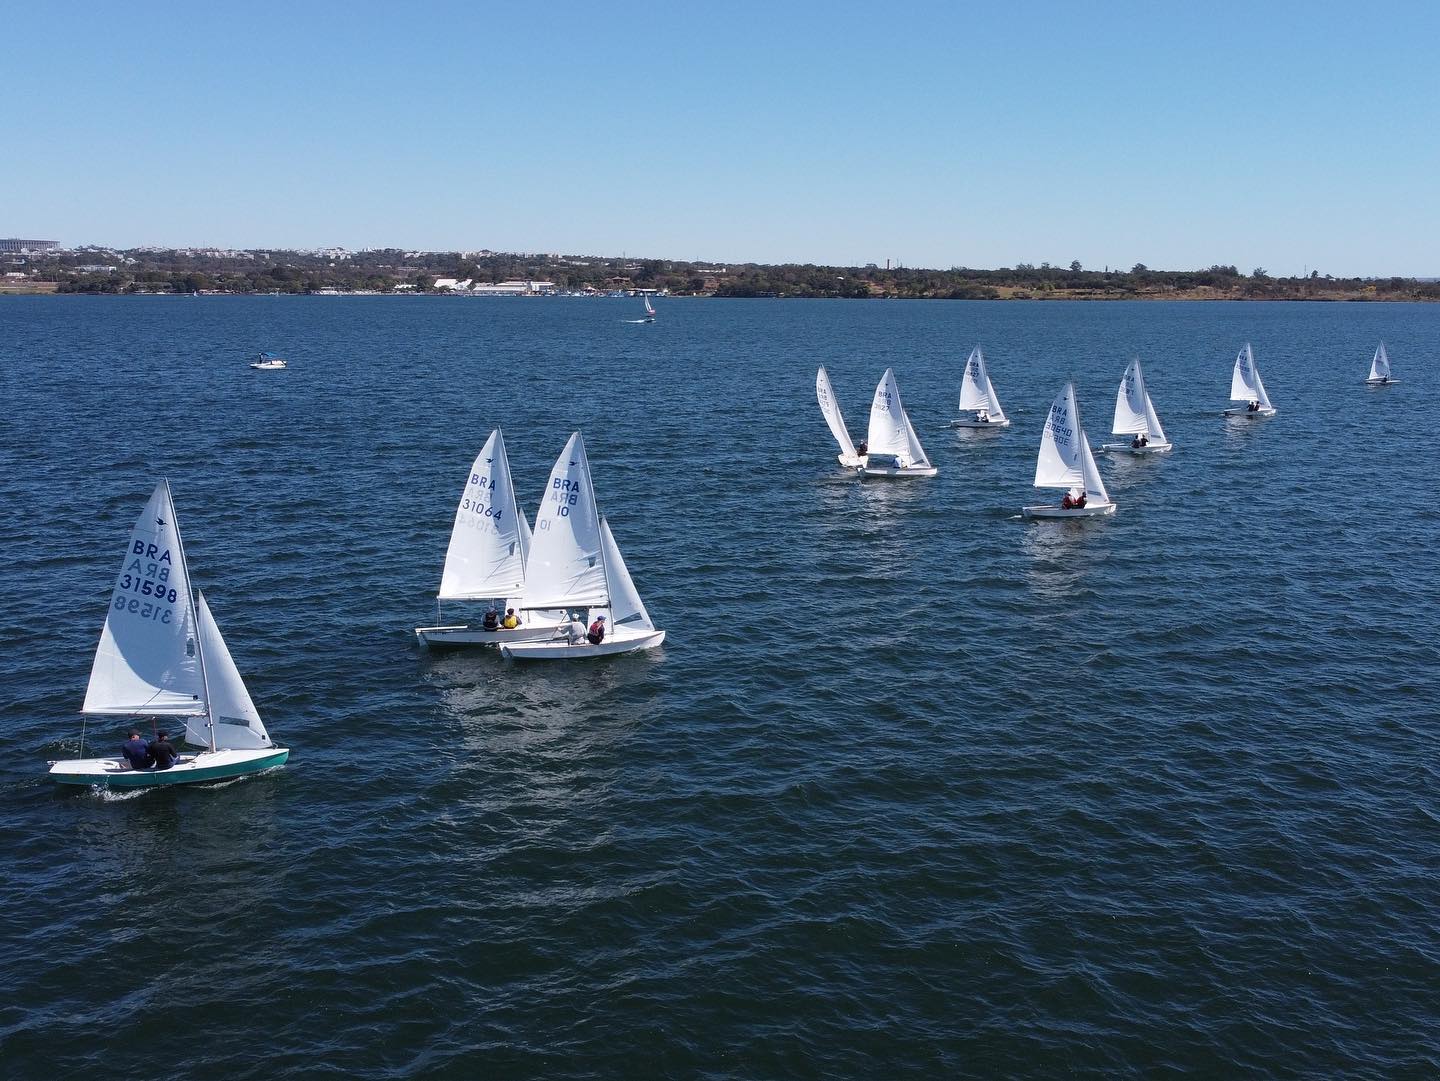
511 620
162 750
1068 502
863 449
596 634
1139 441
1253 407
135 751
982 415
491 622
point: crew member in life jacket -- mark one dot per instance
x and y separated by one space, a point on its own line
1139 441
596 634
1253 407
491 622
1072 502
511 620
863 449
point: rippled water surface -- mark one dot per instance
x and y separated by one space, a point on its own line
914 788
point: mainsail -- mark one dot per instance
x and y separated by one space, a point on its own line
567 567
147 661
1059 463
825 393
486 557
1130 418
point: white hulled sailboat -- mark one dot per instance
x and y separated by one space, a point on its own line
485 562
161 657
979 407
1065 462
575 568
892 447
1380 369
649 311
1247 386
1135 416
830 407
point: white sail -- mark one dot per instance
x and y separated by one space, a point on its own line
1245 382
890 429
626 607
566 567
648 309
1060 464
825 393
1152 421
146 662
486 557
1095 493
237 724
1130 416
1380 366
974 393
996 413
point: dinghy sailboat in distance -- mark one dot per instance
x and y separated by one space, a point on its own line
1135 416
1380 369
1246 386
486 558
1065 462
649 311
161 657
979 407
892 447
268 362
575 570
825 393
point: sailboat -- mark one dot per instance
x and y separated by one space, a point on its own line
1065 462
575 568
1380 369
1135 415
829 406
161 656
979 407
892 447
268 362
485 562
649 311
1246 386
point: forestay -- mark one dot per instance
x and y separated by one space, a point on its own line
237 724
566 567
146 662
976 390
825 393
626 607
486 557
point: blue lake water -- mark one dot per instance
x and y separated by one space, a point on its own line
914 788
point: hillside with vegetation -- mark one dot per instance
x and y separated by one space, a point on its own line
153 270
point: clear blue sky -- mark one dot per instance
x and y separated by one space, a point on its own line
1283 135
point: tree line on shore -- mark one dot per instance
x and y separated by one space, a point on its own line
386 270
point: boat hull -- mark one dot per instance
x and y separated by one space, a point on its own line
1051 510
190 769
964 423
583 650
1248 414
1126 448
868 470
465 635
1381 382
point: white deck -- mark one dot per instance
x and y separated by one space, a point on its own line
1248 414
1126 448
466 634
189 769
970 422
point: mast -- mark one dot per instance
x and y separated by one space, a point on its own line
194 616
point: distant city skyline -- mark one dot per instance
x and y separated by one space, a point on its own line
1289 136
